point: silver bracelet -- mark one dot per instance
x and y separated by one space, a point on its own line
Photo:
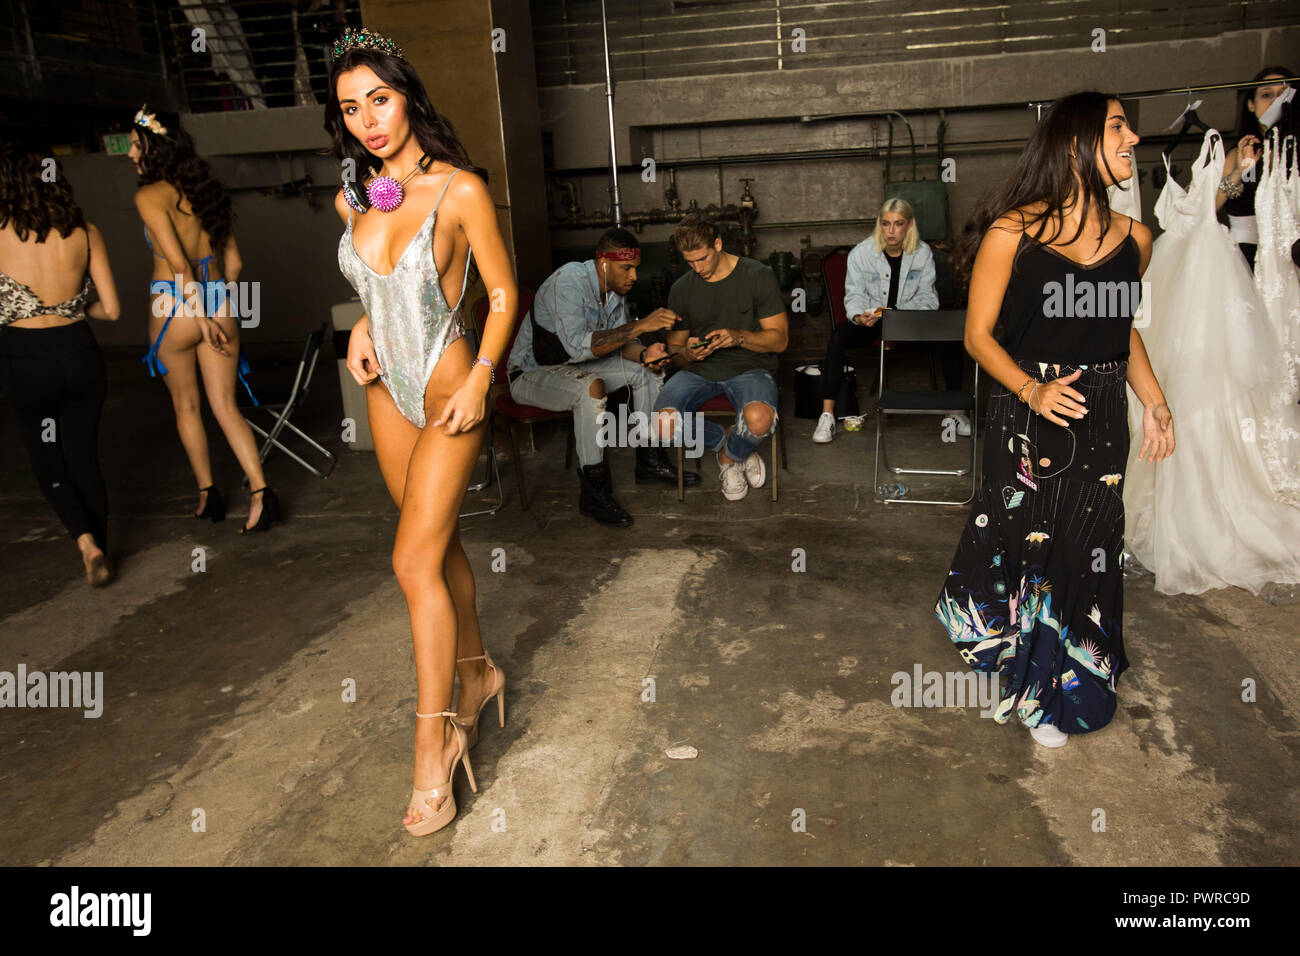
1230 189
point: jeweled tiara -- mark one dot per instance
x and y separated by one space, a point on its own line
363 39
150 122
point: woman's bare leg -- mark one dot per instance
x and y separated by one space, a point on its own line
430 492
220 384
177 354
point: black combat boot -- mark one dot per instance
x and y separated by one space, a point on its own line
653 464
597 497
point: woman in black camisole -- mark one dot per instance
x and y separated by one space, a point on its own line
1035 592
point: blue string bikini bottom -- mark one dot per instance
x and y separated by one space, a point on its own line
214 296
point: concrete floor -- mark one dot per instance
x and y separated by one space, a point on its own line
223 688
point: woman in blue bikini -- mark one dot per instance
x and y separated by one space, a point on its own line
413 214
187 225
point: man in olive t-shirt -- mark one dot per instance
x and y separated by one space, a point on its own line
733 326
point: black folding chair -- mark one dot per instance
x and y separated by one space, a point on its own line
942 325
280 404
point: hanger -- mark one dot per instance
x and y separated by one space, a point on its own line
1189 120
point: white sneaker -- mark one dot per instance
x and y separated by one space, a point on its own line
755 470
825 430
963 424
734 484
1049 735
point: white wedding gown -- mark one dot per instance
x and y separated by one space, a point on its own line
1224 509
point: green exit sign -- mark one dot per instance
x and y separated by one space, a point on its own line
117 144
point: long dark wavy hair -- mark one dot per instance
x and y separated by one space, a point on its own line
28 202
432 130
171 158
1248 122
1047 173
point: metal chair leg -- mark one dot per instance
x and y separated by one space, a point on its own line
681 478
501 493
776 437
487 465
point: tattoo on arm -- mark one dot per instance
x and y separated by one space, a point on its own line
608 339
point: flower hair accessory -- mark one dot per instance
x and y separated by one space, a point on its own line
150 122
363 39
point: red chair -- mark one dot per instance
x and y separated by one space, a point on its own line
720 407
835 272
504 410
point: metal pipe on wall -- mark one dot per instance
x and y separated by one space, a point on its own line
615 199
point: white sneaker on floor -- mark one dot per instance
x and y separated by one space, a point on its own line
825 430
755 470
734 485
962 422
1049 735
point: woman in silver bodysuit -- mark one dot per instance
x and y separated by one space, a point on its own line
413 209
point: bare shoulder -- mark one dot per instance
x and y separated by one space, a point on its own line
1006 230
1142 234
341 205
467 191
152 195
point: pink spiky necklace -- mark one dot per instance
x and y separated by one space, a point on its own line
386 193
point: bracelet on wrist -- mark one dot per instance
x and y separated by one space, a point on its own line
1230 189
492 372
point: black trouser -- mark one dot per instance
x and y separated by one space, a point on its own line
54 380
847 335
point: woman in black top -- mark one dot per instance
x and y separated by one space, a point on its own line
1035 592
1236 195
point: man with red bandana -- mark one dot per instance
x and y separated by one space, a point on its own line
576 345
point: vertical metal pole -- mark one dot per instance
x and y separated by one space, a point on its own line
33 62
779 58
617 201
162 50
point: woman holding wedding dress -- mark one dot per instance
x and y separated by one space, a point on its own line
1225 511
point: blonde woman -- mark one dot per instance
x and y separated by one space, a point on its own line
891 269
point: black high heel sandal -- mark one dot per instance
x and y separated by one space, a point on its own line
215 507
270 511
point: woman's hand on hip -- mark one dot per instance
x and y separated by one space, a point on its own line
362 361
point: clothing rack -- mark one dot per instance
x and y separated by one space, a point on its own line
1174 91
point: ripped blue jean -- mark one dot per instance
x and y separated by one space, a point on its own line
687 392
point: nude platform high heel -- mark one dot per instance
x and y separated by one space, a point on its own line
433 820
498 691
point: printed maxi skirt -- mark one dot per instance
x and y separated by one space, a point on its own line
1036 589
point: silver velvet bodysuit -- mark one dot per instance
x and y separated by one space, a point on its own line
411 323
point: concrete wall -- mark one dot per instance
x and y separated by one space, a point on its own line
689 118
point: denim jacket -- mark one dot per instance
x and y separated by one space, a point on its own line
866 287
569 305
